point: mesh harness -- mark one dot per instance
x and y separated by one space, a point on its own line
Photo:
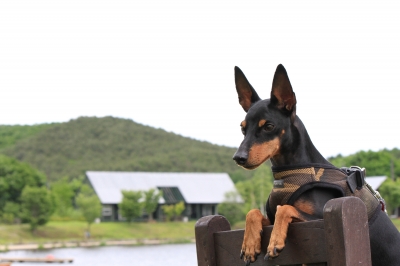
291 182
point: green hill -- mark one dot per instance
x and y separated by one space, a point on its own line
112 144
9 135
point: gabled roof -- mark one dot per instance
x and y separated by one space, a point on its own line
171 195
375 181
195 188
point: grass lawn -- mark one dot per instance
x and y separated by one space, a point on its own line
74 231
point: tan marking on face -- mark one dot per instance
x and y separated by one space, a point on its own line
259 153
243 124
283 132
262 122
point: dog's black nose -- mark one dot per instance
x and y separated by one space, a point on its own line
240 158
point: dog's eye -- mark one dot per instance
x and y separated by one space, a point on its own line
269 127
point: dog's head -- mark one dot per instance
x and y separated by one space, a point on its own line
267 128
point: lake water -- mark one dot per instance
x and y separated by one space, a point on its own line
166 255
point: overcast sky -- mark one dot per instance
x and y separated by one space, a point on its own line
169 64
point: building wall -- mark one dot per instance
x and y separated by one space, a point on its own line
196 211
110 212
107 212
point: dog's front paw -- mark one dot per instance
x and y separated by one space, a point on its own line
251 246
283 217
276 245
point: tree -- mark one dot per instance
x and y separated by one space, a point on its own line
255 191
90 207
63 195
231 208
151 198
11 212
390 191
36 206
384 162
179 208
169 211
131 207
14 176
173 210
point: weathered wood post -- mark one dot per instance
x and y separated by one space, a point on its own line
204 232
347 232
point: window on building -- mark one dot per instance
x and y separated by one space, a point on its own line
107 211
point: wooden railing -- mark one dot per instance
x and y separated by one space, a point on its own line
340 239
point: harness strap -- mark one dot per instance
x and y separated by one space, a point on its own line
338 190
293 181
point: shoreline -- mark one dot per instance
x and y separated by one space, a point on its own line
93 243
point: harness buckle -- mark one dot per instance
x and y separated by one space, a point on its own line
360 175
355 177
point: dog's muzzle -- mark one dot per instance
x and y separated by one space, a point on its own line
240 158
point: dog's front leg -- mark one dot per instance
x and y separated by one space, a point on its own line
251 246
285 215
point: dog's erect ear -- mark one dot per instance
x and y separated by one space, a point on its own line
282 94
247 95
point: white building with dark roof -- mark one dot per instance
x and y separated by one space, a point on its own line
201 192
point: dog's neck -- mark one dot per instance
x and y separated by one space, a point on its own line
298 148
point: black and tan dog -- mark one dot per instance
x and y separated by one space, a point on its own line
303 180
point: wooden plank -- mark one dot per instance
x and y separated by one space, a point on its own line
307 247
347 232
305 244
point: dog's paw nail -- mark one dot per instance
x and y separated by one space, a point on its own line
266 257
241 254
277 251
248 262
261 232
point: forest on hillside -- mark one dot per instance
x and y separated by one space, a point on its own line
112 144
10 135
384 162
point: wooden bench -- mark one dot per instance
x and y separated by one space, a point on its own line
340 239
